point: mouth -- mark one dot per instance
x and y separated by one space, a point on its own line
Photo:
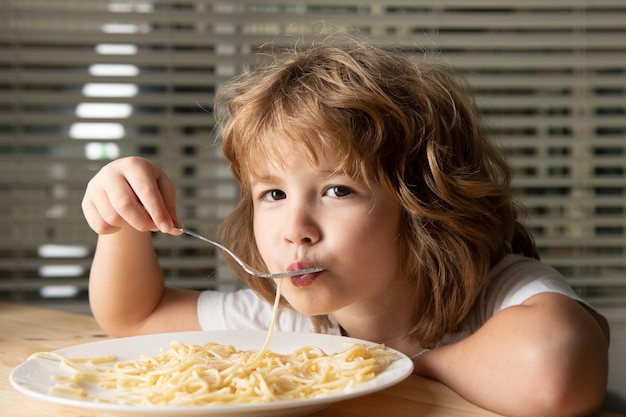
301 281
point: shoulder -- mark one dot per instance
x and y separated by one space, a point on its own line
512 281
516 278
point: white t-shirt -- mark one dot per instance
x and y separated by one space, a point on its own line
512 281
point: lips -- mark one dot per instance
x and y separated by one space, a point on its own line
305 280
302 281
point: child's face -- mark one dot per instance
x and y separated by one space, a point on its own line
308 216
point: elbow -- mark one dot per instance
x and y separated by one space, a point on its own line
120 330
568 399
117 324
570 368
112 327
570 388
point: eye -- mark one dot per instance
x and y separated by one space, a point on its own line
273 195
339 191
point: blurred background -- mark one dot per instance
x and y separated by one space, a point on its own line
83 82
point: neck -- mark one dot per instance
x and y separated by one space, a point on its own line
403 343
389 325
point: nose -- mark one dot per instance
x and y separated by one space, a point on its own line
300 225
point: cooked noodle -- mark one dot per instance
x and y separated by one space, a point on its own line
220 374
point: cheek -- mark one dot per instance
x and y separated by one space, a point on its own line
263 237
378 253
379 242
373 246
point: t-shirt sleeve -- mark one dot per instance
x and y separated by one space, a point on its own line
511 282
518 278
244 310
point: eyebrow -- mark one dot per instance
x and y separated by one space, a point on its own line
261 178
332 172
329 173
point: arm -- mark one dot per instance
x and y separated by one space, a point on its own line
126 200
546 357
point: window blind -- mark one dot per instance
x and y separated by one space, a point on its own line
84 82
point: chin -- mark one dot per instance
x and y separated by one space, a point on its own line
308 308
305 302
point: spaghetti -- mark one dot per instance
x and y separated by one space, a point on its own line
188 375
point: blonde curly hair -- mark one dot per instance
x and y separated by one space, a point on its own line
394 121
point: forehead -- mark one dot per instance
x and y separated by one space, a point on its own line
278 151
269 147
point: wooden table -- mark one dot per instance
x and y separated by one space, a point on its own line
25 330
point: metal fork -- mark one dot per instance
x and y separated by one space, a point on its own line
245 267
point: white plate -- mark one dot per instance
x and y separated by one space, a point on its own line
34 376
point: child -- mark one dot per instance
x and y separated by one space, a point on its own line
374 168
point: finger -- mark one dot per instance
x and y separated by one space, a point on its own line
168 193
147 186
94 198
116 200
122 201
97 210
95 220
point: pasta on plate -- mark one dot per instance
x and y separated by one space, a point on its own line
217 374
